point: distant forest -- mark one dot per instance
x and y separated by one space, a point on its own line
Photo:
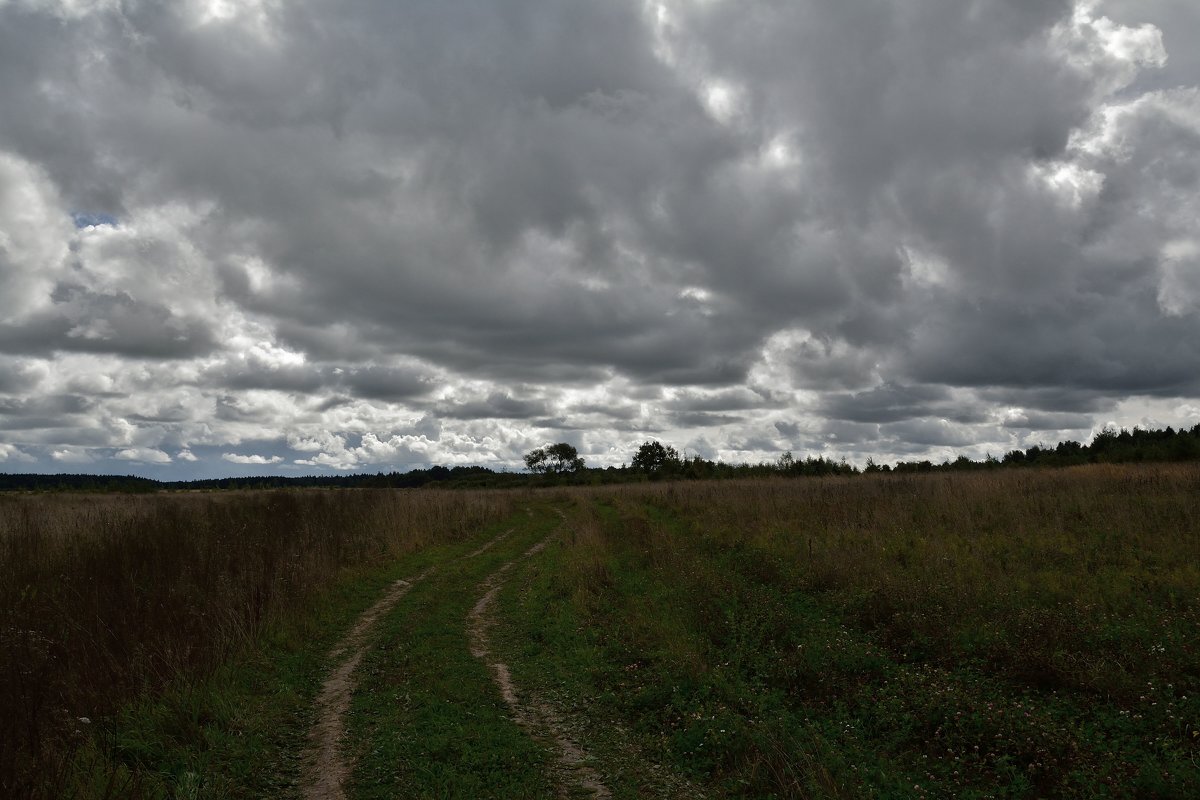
654 461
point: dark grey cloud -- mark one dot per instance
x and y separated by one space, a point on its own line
1118 345
304 378
789 430
499 405
740 399
616 410
38 412
826 437
1049 399
893 403
930 432
1048 421
165 413
385 383
703 419
830 364
17 377
84 322
403 232
388 383
233 408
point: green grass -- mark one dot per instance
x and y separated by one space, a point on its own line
609 637
108 601
717 651
426 720
556 657
240 732
998 635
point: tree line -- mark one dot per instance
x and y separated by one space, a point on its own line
560 463
1109 446
655 460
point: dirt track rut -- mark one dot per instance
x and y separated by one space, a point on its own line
539 719
325 766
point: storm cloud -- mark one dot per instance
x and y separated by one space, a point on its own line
364 234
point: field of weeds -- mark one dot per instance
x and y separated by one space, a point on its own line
999 634
108 599
990 634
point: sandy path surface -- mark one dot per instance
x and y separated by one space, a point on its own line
538 719
325 765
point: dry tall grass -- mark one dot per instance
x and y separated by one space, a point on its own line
1086 577
104 597
1001 633
1029 566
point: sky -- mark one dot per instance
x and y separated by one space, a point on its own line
314 236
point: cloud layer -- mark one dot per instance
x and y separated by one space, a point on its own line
366 235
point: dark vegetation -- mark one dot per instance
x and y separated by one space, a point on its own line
1107 447
426 717
129 483
975 632
555 459
560 464
1004 634
107 599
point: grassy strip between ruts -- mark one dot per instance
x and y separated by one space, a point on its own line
554 659
427 720
757 688
240 732
108 600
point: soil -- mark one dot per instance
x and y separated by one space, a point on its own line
325 766
538 718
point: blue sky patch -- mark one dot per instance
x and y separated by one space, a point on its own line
84 218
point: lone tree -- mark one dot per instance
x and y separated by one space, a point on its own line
554 459
654 457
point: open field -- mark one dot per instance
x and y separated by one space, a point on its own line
995 634
112 598
984 634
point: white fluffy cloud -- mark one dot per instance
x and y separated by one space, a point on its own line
13 455
148 455
35 232
234 458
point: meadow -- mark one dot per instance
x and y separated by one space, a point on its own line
108 600
999 633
